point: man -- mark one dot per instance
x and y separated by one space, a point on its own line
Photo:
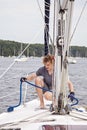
43 78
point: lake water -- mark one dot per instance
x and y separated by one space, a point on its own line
10 82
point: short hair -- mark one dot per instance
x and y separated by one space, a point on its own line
48 58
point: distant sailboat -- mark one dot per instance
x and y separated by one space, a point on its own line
71 60
21 58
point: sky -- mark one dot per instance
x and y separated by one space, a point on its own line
21 20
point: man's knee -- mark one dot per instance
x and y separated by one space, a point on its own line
39 80
48 96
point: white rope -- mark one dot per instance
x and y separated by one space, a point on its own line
47 4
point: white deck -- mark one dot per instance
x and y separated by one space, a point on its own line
32 117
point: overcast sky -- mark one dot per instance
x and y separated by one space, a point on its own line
21 20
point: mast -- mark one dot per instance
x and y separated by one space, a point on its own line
46 29
63 18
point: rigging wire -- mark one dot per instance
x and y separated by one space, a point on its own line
47 4
1 89
78 20
37 34
40 8
11 65
9 95
13 92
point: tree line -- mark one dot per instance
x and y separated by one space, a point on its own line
13 48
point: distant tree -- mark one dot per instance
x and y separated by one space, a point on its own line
13 48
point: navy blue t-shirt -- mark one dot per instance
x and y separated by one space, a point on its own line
46 76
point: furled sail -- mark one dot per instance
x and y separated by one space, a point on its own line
46 29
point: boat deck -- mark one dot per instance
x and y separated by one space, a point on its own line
30 116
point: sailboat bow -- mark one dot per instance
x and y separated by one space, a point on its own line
60 113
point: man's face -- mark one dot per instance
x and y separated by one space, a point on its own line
48 65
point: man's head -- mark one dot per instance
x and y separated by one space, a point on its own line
48 61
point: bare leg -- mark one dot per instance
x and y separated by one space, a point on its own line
70 85
48 95
39 82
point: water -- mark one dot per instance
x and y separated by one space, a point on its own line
10 83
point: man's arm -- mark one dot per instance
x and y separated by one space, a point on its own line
31 77
70 85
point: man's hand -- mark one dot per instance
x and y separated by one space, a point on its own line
23 79
71 95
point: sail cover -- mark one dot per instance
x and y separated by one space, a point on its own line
46 29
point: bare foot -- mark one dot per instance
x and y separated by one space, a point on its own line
42 105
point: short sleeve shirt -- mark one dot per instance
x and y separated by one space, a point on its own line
46 76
